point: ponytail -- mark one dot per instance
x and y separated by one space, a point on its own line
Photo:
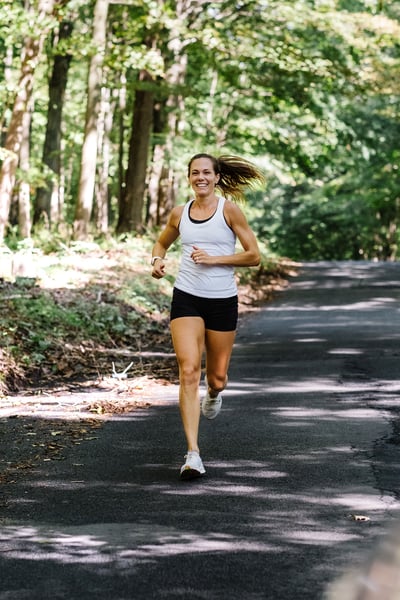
235 174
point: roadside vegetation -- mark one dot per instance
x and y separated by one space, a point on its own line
103 103
89 310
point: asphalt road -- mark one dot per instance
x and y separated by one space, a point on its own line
302 464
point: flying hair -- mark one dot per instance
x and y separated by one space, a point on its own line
235 174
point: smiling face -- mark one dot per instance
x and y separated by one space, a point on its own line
202 177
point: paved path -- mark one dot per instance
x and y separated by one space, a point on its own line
307 444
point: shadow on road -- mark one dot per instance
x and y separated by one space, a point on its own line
302 468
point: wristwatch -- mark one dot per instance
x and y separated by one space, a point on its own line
154 258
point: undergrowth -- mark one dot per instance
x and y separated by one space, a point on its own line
81 309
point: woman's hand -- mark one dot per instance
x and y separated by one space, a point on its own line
200 256
158 269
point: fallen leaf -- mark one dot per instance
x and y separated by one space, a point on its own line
362 518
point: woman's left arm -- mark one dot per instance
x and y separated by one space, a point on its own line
248 257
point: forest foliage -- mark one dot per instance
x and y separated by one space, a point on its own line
102 103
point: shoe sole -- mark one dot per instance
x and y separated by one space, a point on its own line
190 474
213 416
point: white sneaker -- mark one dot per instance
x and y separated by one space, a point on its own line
210 407
193 466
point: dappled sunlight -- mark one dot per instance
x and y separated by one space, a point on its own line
74 271
121 545
253 512
258 474
387 400
79 266
371 304
308 340
370 502
277 385
323 455
131 399
365 502
321 385
344 351
226 488
389 385
315 384
300 384
345 274
125 545
321 538
300 467
297 529
325 414
77 485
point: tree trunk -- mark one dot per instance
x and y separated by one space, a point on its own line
48 201
102 195
161 197
87 176
30 56
8 85
24 196
131 208
162 192
121 137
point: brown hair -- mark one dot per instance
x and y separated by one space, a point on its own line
235 174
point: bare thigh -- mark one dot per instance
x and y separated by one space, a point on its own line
188 339
219 346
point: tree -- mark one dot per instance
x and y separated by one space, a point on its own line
132 200
104 152
31 53
183 19
87 176
307 90
24 196
48 197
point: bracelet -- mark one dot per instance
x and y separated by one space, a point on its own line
154 258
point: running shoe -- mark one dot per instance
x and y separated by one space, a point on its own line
193 466
210 407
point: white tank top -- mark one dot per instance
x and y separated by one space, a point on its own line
217 239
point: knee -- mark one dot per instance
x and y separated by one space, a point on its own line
217 381
189 374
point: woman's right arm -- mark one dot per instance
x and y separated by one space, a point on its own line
168 235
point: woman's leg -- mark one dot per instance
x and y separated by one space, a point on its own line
219 346
188 340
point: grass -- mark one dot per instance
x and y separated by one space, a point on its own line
67 316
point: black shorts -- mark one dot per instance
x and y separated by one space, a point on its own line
218 314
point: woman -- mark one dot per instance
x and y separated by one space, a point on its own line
204 309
